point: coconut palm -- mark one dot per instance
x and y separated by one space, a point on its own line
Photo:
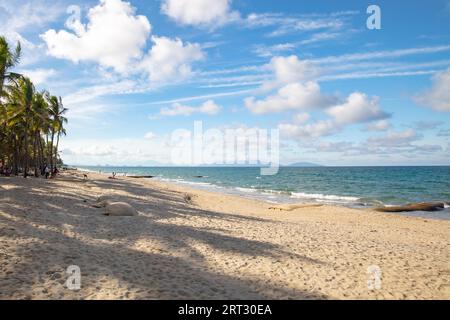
26 116
57 112
40 123
8 60
20 101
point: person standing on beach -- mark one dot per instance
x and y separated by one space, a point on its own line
46 171
54 173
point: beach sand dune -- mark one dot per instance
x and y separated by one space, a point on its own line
213 246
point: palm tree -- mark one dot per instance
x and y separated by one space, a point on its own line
26 116
61 120
20 100
57 112
40 123
8 59
61 132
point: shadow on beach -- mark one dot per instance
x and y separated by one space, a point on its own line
51 227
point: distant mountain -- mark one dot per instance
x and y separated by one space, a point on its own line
304 165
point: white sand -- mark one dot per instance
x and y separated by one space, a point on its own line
216 247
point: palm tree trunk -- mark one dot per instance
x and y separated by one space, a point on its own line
26 155
2 81
56 149
41 152
47 145
51 149
15 156
35 157
4 145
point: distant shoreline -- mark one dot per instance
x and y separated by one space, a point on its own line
281 166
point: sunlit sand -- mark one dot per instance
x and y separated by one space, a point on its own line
190 244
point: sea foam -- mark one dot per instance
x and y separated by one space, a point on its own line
319 196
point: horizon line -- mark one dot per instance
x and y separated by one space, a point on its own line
256 166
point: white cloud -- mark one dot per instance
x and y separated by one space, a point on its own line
297 89
209 108
89 93
332 68
23 16
301 118
375 74
438 96
113 37
295 96
381 125
88 112
357 109
203 13
170 59
321 36
310 25
291 69
444 133
269 51
237 80
398 143
285 24
428 148
18 18
326 146
394 139
313 130
382 54
202 97
150 136
38 76
119 152
423 125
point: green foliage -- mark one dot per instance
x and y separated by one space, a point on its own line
30 121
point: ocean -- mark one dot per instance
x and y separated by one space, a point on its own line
347 186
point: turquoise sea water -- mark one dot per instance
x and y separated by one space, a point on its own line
349 186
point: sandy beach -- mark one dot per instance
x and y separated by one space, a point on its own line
191 244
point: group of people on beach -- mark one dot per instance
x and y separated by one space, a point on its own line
113 177
5 171
46 171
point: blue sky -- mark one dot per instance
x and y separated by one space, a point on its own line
133 72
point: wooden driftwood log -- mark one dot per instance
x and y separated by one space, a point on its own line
420 206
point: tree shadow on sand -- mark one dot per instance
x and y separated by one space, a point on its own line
108 253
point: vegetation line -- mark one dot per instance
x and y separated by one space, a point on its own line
31 122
